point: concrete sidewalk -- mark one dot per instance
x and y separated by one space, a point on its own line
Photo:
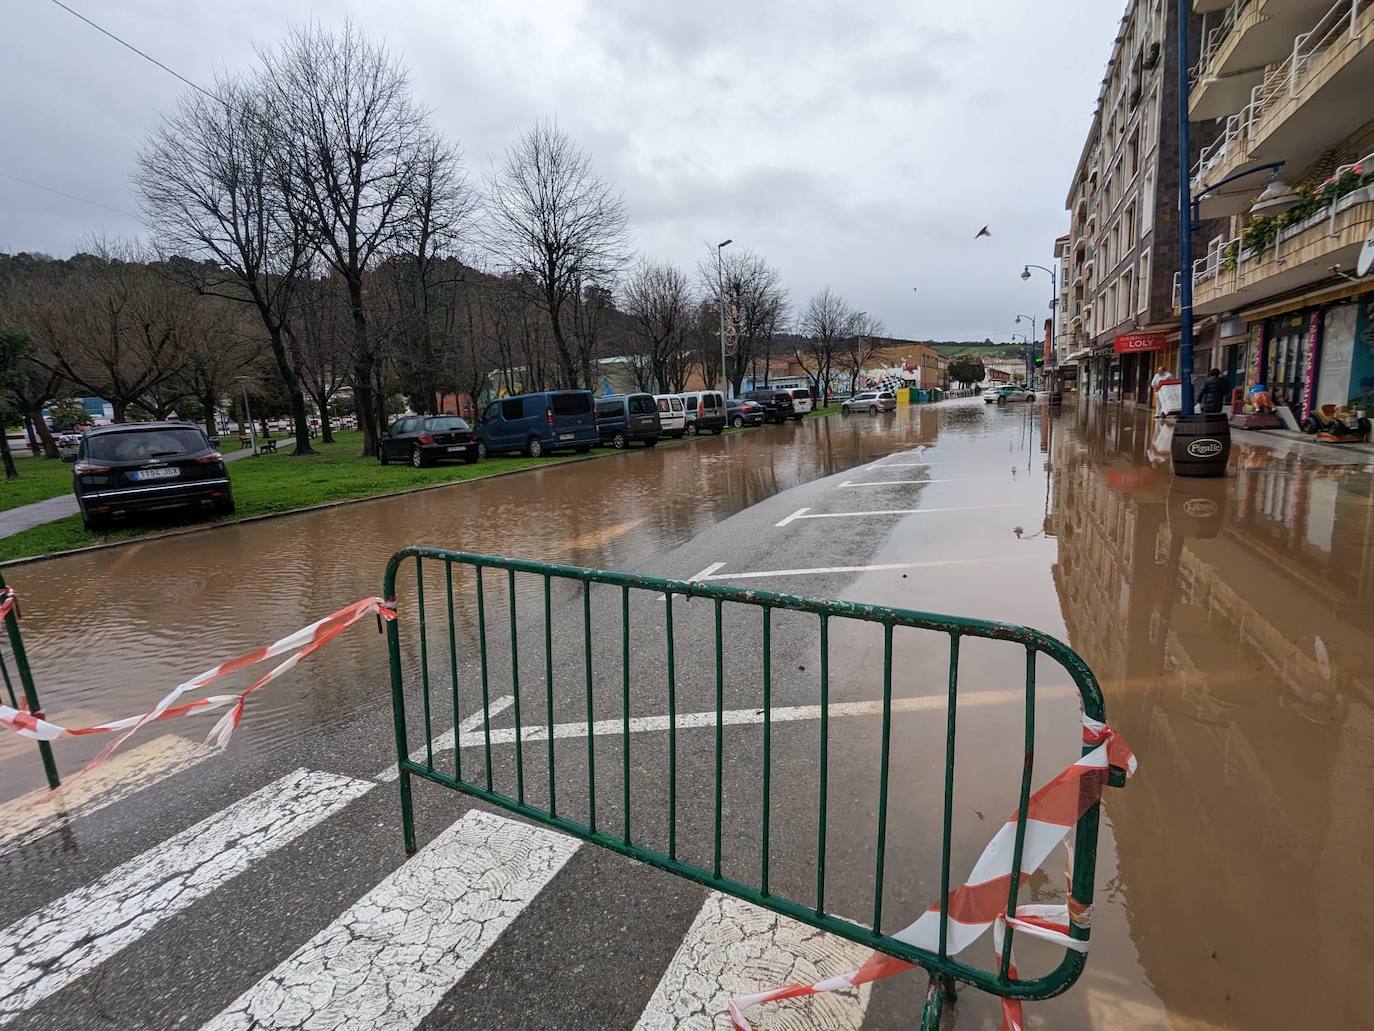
26 517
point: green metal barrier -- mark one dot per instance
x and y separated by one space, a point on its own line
30 693
492 574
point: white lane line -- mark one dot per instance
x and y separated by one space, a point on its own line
880 567
888 512
735 948
898 483
705 574
31 816
444 742
741 717
53 946
388 960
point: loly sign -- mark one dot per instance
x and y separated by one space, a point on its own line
1131 343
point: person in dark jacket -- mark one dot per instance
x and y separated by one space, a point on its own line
1215 390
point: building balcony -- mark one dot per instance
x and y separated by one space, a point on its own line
1303 107
1241 272
1246 37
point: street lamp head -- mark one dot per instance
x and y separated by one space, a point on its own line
724 243
1025 272
1277 197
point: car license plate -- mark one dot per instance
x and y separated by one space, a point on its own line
458 448
166 472
565 436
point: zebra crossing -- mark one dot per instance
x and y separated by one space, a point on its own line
389 958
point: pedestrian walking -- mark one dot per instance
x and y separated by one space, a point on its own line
1216 388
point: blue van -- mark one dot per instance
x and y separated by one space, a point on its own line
538 423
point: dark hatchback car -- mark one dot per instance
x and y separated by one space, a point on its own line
777 404
148 467
423 440
621 418
743 412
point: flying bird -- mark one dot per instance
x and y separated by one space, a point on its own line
982 232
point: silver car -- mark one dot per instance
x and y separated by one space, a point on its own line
871 401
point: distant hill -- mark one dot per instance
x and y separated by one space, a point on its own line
983 350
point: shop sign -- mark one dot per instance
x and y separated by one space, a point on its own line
1309 386
1131 343
1205 447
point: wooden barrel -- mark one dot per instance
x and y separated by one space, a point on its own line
1202 444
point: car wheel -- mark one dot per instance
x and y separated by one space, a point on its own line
481 450
225 506
651 443
534 447
718 431
618 442
417 458
737 422
1001 400
873 410
95 523
693 430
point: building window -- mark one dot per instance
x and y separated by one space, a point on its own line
1144 281
1128 228
1123 311
1147 203
1111 305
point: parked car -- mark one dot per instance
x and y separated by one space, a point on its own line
621 418
423 440
777 404
803 401
1005 392
538 423
145 467
872 401
743 412
705 410
672 415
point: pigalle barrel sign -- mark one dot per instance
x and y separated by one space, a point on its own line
1205 447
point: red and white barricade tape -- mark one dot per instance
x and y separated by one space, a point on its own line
981 901
297 646
8 600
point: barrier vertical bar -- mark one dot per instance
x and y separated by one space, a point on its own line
625 699
947 827
482 648
591 738
398 713
453 669
548 688
672 728
424 659
767 741
825 762
1027 769
515 692
720 731
882 780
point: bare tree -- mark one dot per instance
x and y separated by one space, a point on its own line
756 305
212 179
226 339
557 225
826 323
854 353
659 299
355 140
324 328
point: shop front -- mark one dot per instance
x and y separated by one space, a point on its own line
1139 355
1345 362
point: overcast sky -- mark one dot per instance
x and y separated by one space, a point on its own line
855 145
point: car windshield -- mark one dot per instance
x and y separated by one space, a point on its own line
641 404
447 424
141 445
571 404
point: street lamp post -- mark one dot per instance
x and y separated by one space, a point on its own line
1054 318
1030 357
248 413
720 290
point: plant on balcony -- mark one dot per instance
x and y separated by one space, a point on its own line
1151 57
1260 233
1230 256
1310 201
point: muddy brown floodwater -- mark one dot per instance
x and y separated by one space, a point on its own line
1231 624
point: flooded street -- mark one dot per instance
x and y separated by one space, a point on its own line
1228 623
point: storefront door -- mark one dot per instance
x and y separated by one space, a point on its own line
1287 360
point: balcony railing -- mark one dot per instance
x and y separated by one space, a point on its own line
1212 42
1283 82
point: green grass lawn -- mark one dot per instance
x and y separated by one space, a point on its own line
39 479
825 410
264 484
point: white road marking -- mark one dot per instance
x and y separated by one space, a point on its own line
741 717
880 567
444 742
898 483
887 512
705 574
53 946
31 816
734 948
389 959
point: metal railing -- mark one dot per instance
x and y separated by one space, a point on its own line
1212 42
597 660
27 695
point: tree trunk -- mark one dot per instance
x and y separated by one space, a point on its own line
266 432
11 473
287 367
45 436
117 406
366 401
326 433
208 402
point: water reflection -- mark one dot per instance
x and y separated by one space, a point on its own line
1229 623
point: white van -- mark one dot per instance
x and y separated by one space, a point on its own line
705 411
672 414
802 401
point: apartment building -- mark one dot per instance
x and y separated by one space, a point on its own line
1287 89
1117 299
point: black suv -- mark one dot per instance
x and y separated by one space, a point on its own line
621 418
777 404
147 467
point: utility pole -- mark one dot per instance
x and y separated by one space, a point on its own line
720 290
